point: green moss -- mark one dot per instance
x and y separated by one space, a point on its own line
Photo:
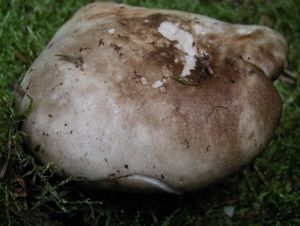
266 193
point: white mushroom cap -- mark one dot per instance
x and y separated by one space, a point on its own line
153 100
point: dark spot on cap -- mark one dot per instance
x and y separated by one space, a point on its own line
231 80
207 148
116 47
126 166
100 42
45 134
85 48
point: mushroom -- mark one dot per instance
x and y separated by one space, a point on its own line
149 100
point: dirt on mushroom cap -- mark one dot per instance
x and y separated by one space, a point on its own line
125 98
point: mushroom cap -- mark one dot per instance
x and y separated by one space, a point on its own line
152 100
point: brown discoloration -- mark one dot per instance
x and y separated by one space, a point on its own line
208 123
165 56
202 70
97 16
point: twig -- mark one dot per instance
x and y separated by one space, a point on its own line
213 109
250 185
3 170
260 174
287 80
289 77
107 222
290 74
184 81
153 215
20 57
